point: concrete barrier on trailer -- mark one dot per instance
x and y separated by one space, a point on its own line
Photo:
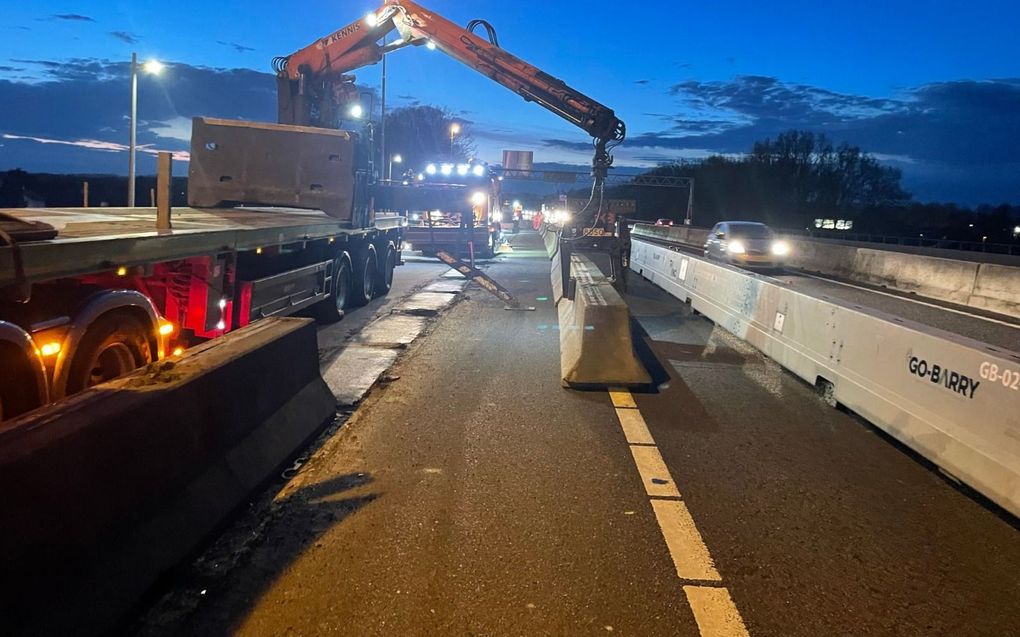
596 345
109 489
954 400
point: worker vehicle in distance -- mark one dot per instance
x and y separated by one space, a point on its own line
449 207
747 244
89 294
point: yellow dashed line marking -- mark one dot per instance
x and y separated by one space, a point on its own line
688 550
654 474
714 610
622 399
634 427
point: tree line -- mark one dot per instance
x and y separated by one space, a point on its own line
798 177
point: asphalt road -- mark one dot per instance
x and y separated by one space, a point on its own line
474 496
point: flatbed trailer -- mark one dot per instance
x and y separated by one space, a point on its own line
110 292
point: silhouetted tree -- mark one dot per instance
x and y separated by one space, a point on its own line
421 134
786 182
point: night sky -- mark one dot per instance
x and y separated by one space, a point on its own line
930 87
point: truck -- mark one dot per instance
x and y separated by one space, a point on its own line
280 219
90 294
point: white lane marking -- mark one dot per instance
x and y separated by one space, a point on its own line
634 427
654 474
688 550
715 612
909 300
622 398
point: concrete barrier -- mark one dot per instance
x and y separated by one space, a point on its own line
987 286
107 490
997 288
550 236
596 345
954 400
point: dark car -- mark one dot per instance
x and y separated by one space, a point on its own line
747 244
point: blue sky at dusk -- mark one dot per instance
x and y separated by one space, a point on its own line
932 88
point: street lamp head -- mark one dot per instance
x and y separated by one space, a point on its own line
153 67
454 128
356 111
397 158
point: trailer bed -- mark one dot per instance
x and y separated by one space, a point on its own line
98 239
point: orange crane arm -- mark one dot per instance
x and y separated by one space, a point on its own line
357 44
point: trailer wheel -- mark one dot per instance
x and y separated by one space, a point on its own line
384 277
331 310
18 392
363 281
114 345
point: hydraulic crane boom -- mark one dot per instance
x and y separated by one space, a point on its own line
312 81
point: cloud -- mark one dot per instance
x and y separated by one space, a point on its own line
125 37
643 82
959 123
96 144
948 137
79 105
11 69
73 17
240 48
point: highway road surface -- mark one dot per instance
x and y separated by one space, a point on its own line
472 495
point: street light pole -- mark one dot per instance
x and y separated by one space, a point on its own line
393 158
134 123
382 117
153 67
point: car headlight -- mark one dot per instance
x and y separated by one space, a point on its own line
780 248
735 247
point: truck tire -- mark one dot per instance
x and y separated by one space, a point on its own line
363 281
384 275
114 345
331 310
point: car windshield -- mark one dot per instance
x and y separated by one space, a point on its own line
750 231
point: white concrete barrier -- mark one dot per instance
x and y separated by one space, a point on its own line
596 345
997 288
954 400
986 286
